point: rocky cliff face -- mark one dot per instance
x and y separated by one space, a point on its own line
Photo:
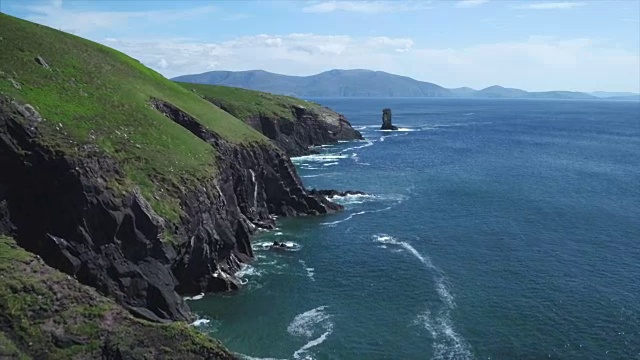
64 208
311 127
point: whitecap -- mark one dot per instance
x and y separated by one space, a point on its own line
309 270
330 164
306 323
353 199
200 322
312 343
248 270
317 158
333 223
447 343
193 298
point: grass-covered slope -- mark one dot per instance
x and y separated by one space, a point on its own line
91 94
243 103
45 314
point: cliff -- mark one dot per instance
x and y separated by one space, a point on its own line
46 314
293 124
127 182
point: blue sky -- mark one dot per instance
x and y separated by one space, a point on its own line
534 45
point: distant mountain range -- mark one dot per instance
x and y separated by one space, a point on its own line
368 83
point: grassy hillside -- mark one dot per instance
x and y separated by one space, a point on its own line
243 103
91 94
45 314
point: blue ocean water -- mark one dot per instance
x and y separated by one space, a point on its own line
493 229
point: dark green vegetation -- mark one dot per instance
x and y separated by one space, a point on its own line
334 83
45 314
96 95
367 83
243 103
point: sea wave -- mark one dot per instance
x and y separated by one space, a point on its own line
309 322
200 322
351 216
268 245
317 158
448 344
353 199
248 270
310 271
193 298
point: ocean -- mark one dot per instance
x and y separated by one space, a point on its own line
491 229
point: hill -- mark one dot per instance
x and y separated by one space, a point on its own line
128 182
293 124
333 83
362 83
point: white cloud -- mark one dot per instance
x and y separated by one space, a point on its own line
86 22
470 3
535 63
163 64
368 7
551 6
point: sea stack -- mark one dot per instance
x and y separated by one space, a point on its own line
386 120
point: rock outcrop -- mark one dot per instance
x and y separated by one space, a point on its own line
46 314
63 206
386 120
312 127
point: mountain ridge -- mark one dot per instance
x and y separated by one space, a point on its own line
371 83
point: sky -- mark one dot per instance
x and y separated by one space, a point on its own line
535 45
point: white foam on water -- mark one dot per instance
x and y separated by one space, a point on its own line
268 245
353 199
310 344
279 233
248 270
317 158
330 164
367 144
447 343
310 271
247 357
193 298
333 223
306 323
200 322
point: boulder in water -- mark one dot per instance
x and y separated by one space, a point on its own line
386 120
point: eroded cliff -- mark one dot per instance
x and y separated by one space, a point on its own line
294 125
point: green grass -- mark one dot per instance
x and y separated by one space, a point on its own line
244 104
39 304
95 95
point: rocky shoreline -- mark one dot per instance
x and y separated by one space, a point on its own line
61 208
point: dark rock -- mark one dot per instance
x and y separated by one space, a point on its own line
42 63
386 120
311 127
59 207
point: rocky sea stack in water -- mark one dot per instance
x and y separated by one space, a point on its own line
386 120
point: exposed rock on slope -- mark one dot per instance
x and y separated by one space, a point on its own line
45 314
61 208
293 124
126 181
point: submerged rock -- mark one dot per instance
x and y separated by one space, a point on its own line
386 120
